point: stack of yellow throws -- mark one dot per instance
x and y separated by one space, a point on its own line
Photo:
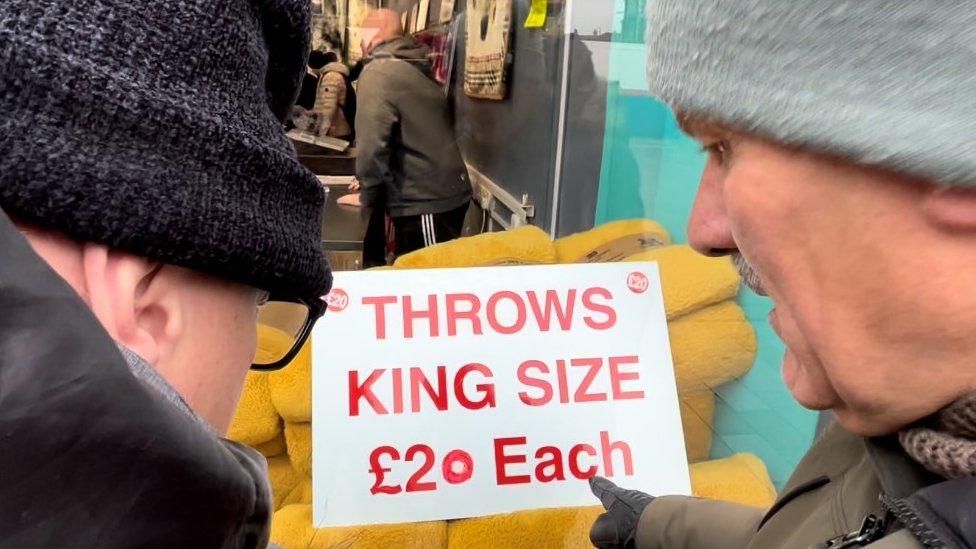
711 343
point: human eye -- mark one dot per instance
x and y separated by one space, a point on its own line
718 150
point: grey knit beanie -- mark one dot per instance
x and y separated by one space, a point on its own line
880 82
154 127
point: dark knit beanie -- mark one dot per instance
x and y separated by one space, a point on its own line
154 127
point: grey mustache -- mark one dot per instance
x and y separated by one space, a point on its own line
749 275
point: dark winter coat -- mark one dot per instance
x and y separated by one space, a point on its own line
842 480
91 455
407 149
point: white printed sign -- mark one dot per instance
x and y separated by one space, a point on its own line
455 393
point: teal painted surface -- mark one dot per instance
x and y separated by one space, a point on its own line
650 169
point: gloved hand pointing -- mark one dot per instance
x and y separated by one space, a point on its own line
617 528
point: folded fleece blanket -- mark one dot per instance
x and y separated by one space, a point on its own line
711 346
528 245
291 387
256 421
274 447
292 528
690 280
697 420
284 479
298 437
611 242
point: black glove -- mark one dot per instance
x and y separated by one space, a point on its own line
617 528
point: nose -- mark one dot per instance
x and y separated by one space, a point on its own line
709 231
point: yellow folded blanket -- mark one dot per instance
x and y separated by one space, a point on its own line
291 387
274 447
741 478
690 280
272 343
291 528
567 528
711 347
300 494
526 245
255 420
697 418
298 437
612 241
284 478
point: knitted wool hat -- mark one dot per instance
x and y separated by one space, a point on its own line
880 82
154 127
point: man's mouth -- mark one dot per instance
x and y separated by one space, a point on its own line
749 276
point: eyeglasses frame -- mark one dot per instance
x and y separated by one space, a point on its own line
316 309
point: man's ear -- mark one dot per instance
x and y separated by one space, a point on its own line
952 208
134 300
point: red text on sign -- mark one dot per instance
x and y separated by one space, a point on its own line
468 314
436 393
538 375
582 460
457 467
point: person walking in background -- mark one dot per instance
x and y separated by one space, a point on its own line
408 152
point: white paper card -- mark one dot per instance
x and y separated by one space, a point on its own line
454 393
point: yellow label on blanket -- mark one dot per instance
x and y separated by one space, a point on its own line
621 248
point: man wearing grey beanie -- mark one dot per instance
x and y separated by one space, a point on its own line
841 177
154 216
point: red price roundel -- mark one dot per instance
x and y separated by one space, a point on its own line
638 282
458 466
337 300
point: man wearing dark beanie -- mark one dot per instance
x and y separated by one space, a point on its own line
153 215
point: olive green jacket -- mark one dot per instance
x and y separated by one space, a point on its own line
837 484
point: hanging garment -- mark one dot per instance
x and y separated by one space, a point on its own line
489 24
441 43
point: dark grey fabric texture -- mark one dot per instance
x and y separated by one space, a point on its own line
946 443
148 374
155 128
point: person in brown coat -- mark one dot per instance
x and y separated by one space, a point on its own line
330 99
841 177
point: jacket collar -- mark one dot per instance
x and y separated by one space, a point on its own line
147 373
899 475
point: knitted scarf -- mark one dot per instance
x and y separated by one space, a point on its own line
947 446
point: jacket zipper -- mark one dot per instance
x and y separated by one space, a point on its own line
872 528
907 516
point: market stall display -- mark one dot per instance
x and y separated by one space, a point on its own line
712 343
488 29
